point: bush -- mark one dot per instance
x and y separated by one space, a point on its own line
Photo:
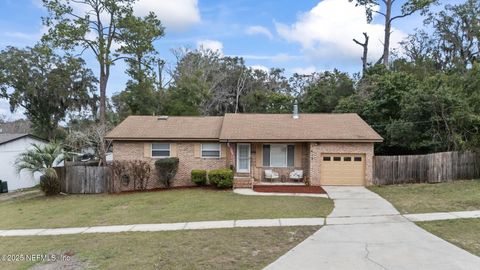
222 178
50 184
199 177
167 169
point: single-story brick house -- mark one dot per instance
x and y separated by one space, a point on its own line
330 149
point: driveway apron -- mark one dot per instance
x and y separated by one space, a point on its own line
364 231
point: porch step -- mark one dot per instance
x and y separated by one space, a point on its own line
242 182
288 188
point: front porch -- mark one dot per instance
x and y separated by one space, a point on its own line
268 163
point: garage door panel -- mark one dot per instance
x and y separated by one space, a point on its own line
342 169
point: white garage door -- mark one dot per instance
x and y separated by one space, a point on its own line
342 169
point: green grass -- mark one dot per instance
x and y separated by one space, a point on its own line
426 198
239 248
154 207
460 232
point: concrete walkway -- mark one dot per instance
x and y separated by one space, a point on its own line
442 216
364 231
200 225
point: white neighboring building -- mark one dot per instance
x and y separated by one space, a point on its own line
11 145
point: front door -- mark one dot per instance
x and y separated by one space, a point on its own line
243 158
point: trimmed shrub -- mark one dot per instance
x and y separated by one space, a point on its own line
167 169
222 178
199 177
50 184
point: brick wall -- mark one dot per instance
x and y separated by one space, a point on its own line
184 152
316 149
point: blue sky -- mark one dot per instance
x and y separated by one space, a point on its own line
301 36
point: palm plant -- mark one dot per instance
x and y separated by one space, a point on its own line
42 159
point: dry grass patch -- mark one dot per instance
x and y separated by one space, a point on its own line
463 233
239 248
426 198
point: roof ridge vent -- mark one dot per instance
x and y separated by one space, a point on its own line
163 117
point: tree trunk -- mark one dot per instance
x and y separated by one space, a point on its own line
365 51
103 99
104 74
388 25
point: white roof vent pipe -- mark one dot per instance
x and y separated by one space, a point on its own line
295 110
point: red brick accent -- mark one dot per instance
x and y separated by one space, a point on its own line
289 189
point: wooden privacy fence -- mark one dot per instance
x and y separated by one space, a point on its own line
431 168
80 179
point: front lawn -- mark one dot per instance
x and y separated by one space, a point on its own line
239 248
426 198
154 207
460 232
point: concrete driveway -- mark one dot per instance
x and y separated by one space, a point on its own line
364 231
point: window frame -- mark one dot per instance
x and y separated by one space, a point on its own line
219 150
286 145
169 149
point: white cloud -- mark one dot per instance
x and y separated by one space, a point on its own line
281 57
304 70
260 67
7 114
327 30
176 15
20 39
259 30
208 44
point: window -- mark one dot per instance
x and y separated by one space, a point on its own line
357 159
266 155
337 158
278 155
160 149
210 150
347 158
327 158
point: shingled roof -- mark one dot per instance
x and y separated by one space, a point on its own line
308 127
168 128
347 127
8 137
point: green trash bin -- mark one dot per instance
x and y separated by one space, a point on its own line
4 187
1 186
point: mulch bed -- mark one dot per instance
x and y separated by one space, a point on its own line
208 187
289 189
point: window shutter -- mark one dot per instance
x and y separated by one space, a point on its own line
298 155
266 155
173 149
223 150
147 150
196 150
290 155
258 155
